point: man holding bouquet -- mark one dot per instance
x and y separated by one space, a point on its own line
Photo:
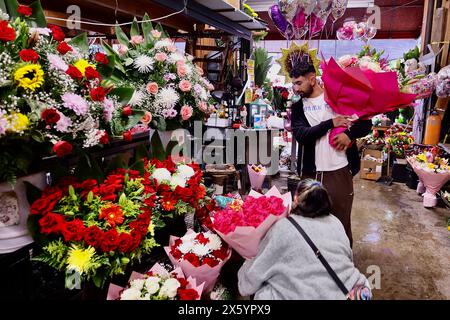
312 121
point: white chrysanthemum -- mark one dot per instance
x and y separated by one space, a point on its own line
161 174
177 180
130 294
200 250
137 98
189 237
214 241
186 247
167 98
163 43
143 63
169 288
185 171
152 284
137 284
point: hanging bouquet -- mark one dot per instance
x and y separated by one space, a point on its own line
169 87
398 140
200 255
243 224
157 284
96 230
362 86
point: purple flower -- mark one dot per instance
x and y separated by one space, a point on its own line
108 109
76 103
170 113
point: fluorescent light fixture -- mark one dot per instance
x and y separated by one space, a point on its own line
264 5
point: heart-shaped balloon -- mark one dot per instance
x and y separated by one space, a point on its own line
307 5
338 8
300 32
316 24
299 20
278 19
288 8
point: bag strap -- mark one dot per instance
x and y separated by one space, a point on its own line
320 257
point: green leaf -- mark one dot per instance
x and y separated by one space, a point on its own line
135 28
11 8
121 36
123 200
38 15
123 93
110 51
72 193
139 166
81 42
33 193
134 119
147 28
162 125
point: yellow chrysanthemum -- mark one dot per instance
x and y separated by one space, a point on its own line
151 229
82 64
80 259
30 76
17 122
430 165
421 157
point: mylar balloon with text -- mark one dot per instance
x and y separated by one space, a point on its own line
338 8
280 22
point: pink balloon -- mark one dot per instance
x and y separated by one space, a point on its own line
316 24
299 19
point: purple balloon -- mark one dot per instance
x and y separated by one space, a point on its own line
278 19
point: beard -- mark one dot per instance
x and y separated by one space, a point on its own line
306 93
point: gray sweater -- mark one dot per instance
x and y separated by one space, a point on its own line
286 268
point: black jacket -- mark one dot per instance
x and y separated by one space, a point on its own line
306 137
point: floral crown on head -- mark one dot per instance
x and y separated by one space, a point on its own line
295 55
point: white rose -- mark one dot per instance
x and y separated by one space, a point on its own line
161 174
200 250
185 247
137 284
152 285
214 242
130 294
185 171
169 288
176 180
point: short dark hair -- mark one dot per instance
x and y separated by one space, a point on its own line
313 199
302 68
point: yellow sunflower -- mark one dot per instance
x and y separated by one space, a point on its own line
29 77
82 64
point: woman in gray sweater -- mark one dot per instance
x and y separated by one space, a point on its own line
286 267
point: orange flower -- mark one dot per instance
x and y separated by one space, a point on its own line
113 215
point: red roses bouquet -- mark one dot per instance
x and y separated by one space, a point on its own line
243 224
200 255
157 284
95 230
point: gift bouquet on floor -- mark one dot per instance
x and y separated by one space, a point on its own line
200 255
243 224
433 172
256 174
157 284
94 230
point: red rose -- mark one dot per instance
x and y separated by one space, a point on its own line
177 242
28 55
6 32
125 242
25 10
62 148
187 294
183 283
221 253
74 73
210 262
93 236
46 203
73 230
127 136
50 116
63 47
192 258
137 239
98 94
101 58
110 241
175 253
105 138
285 95
127 111
202 239
51 223
57 33
91 74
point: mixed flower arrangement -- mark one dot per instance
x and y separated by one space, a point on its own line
429 162
94 229
398 140
280 98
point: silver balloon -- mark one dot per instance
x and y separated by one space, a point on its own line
338 8
325 5
288 8
307 5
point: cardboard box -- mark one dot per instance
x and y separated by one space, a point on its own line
371 169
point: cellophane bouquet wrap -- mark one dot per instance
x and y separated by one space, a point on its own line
256 174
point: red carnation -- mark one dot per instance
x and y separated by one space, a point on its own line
202 239
101 58
177 242
6 32
63 47
187 294
192 258
221 253
74 73
57 33
110 241
51 223
25 10
73 230
98 94
137 239
125 242
50 116
46 203
93 236
105 138
91 73
210 262
127 136
62 148
175 253
183 283
127 111
29 55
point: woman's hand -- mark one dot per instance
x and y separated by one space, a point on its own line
342 142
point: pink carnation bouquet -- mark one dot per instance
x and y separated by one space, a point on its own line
243 224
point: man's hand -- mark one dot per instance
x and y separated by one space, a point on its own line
341 121
342 142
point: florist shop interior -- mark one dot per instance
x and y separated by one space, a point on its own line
224 149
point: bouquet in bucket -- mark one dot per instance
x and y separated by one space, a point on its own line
256 174
243 224
157 284
399 140
200 255
96 230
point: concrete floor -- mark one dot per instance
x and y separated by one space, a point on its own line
395 234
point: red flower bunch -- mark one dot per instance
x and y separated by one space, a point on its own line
101 58
91 74
29 55
74 73
57 33
98 94
24 10
7 33
63 47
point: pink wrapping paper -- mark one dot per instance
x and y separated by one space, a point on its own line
256 178
115 290
432 181
205 273
245 240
